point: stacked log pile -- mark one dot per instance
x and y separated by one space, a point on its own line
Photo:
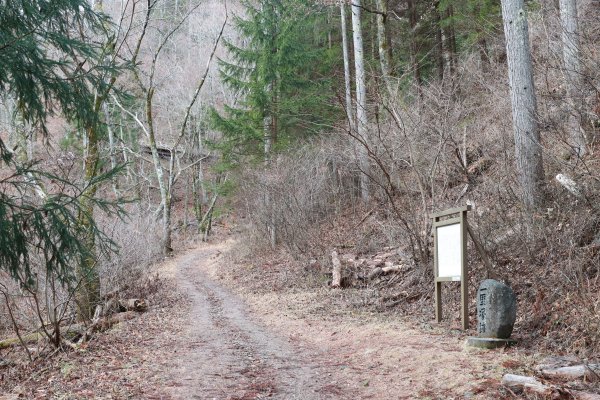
387 268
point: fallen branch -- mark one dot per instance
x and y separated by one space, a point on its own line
526 384
391 268
105 324
589 372
72 331
22 340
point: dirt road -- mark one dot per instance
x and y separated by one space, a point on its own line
229 355
251 346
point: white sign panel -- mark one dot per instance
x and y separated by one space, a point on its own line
449 251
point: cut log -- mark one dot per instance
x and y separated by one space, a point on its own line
336 280
526 384
589 372
569 184
138 305
390 269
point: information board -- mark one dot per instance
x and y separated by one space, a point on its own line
449 251
450 256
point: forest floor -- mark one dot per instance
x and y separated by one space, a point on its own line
214 335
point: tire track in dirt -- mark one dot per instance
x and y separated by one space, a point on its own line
228 355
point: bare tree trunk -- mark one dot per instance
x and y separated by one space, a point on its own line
439 43
88 293
361 99
349 112
165 197
198 188
573 75
268 138
528 150
384 45
111 145
449 44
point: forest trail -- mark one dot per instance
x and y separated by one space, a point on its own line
228 354
252 346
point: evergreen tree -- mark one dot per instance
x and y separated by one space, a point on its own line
44 53
42 57
280 74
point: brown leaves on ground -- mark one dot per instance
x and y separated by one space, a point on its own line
118 364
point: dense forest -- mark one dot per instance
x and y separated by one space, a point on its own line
131 129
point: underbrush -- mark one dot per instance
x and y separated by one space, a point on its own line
450 145
101 367
37 320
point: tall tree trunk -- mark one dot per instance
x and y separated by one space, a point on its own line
439 43
528 150
384 44
111 145
482 45
573 75
414 43
88 292
449 43
361 100
348 87
165 196
198 187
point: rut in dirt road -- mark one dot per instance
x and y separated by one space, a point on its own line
228 355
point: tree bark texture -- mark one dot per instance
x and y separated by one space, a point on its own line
348 87
439 43
448 42
384 44
573 74
414 42
528 150
165 196
361 100
88 292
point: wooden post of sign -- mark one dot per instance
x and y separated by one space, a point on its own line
443 276
438 284
464 282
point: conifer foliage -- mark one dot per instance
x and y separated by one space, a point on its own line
46 48
43 52
280 74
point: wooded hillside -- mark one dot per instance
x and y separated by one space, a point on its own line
130 128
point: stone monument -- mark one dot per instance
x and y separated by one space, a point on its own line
496 315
